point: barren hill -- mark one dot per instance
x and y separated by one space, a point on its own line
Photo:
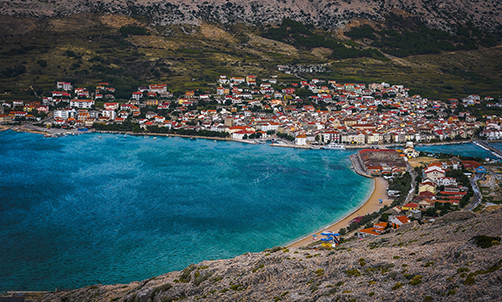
442 14
458 258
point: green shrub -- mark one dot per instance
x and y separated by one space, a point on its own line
237 287
319 272
470 280
198 278
362 262
462 270
429 264
416 280
133 30
353 273
397 286
185 274
274 249
428 299
371 294
486 241
331 291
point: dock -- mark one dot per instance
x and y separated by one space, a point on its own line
358 165
495 151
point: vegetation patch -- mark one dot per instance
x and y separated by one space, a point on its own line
237 287
199 278
430 263
470 280
133 30
273 249
353 273
483 241
319 272
416 280
186 273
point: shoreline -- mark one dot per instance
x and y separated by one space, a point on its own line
29 128
369 206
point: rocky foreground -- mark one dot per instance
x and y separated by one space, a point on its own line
453 259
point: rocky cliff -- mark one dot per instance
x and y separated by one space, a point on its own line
458 258
442 14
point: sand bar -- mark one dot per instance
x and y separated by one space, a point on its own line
370 206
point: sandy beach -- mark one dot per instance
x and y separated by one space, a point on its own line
370 206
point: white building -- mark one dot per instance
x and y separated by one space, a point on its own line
86 104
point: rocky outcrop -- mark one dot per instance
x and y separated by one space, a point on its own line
324 13
434 262
455 216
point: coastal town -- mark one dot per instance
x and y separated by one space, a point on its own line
382 121
316 114
304 114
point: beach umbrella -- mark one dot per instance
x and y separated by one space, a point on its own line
326 239
336 234
326 233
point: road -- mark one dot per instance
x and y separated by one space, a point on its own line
411 193
476 199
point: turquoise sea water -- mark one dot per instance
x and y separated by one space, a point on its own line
81 210
460 149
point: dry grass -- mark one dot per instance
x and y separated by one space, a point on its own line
419 161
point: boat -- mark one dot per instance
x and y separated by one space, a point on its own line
334 146
316 147
154 137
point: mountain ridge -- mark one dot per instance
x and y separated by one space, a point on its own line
439 14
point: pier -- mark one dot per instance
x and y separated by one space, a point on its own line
358 165
495 151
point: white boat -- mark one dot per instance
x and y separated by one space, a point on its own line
334 146
154 137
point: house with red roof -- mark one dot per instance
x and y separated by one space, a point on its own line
376 230
410 206
399 220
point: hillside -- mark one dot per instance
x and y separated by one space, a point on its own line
323 13
443 261
127 52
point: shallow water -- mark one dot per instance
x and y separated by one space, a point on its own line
81 210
